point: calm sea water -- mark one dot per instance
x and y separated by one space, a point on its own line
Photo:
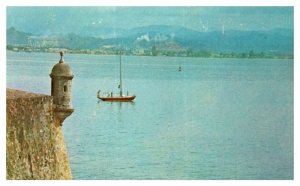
216 119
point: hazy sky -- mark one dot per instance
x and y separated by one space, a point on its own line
68 19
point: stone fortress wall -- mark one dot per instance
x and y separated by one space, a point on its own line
35 147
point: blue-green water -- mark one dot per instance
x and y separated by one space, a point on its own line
216 119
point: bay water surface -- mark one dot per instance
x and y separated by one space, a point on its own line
215 119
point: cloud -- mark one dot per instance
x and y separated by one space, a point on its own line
71 19
143 38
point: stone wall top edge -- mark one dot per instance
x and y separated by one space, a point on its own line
16 94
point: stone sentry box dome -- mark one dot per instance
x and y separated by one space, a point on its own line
61 89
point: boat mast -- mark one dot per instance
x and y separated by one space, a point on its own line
120 77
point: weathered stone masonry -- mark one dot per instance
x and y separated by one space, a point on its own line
35 147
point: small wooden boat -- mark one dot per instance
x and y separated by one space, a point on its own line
110 97
116 97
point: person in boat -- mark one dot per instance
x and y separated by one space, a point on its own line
98 93
111 94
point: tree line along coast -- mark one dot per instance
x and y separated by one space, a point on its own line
157 52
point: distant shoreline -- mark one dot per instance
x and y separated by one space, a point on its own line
198 54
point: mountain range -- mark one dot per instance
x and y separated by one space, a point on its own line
162 37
